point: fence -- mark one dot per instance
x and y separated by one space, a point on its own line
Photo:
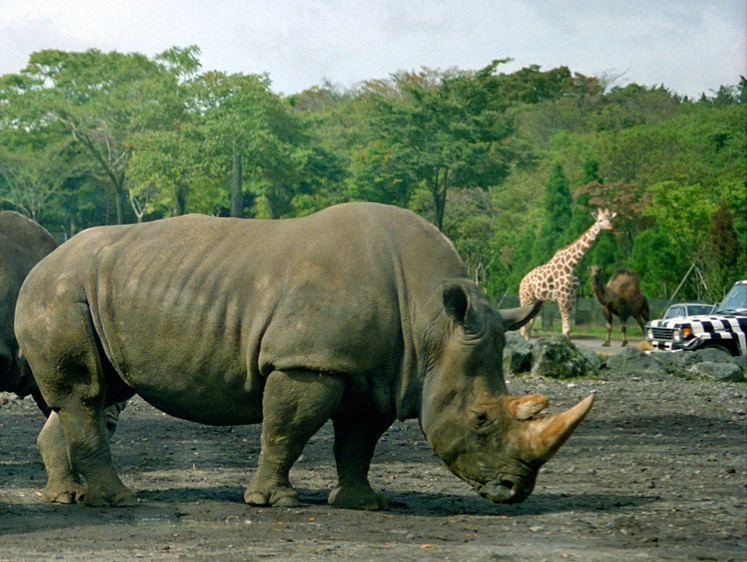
588 313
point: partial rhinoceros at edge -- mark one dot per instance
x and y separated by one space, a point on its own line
362 313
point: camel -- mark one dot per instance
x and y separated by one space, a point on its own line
622 297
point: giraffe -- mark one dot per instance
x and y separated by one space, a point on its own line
556 281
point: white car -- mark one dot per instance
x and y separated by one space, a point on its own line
724 328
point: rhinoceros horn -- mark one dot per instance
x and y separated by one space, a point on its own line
515 318
545 435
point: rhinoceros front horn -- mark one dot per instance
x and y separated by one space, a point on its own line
546 435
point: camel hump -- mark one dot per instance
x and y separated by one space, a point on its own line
623 271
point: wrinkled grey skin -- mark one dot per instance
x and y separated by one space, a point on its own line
362 313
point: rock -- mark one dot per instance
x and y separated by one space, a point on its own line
636 362
721 371
517 355
556 357
712 355
674 362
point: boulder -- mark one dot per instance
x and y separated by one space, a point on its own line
724 371
556 357
517 355
715 355
636 362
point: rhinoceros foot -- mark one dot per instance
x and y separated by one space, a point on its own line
278 497
357 498
118 496
63 492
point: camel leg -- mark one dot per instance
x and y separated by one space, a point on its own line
608 319
624 331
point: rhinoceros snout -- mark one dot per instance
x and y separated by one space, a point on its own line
502 491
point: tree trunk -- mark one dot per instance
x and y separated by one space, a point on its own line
438 191
180 201
236 203
119 195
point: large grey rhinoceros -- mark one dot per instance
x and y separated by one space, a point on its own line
362 313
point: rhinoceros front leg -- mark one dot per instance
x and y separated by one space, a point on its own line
355 441
295 405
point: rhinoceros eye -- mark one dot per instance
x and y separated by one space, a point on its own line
481 418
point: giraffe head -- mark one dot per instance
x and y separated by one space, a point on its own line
604 218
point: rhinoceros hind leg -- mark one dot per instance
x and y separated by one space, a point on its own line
295 405
90 457
62 485
356 436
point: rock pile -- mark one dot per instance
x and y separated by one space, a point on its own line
559 358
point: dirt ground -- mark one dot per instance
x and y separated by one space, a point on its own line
658 471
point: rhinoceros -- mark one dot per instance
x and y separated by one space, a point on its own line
361 313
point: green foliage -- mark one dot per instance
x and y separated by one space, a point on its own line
510 166
446 130
557 206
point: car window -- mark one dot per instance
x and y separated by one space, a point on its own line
674 312
697 309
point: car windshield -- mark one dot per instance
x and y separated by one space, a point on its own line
735 300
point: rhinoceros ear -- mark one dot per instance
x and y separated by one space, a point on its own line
458 305
456 302
515 318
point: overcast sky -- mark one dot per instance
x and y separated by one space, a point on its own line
689 46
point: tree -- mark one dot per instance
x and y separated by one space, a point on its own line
32 177
101 100
557 205
256 136
447 129
722 249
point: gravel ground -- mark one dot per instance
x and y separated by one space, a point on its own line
658 471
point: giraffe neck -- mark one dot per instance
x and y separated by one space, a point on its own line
573 254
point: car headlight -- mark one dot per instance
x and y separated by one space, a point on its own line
649 334
681 334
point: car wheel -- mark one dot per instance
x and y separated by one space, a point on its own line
718 347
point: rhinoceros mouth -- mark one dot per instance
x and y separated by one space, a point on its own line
499 491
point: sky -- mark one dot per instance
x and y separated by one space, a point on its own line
688 46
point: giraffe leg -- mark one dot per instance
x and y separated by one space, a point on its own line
565 318
526 330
